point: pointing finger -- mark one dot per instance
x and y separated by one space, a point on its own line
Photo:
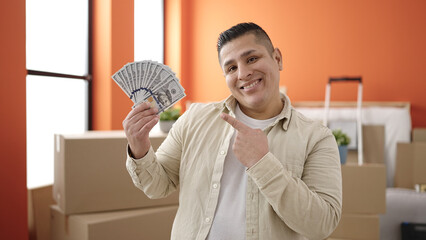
239 126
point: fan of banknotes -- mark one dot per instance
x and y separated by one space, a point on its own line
149 81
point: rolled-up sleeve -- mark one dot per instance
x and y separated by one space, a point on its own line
309 204
157 174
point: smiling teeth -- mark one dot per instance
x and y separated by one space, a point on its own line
251 85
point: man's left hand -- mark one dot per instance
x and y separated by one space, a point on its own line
250 145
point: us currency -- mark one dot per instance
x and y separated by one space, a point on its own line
130 71
131 75
160 76
168 94
141 92
121 83
150 81
165 96
147 73
123 76
139 72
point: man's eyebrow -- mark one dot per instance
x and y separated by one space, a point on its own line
244 54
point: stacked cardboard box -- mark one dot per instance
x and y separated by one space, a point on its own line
135 224
358 226
95 196
364 198
411 161
364 189
39 201
373 137
419 135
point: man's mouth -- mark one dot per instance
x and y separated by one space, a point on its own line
253 84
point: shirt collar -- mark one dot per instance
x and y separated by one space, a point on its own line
229 104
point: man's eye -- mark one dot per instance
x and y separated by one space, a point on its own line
252 59
231 68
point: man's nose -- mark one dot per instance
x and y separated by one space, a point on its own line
244 72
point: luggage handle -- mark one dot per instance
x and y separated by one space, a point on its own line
345 79
359 108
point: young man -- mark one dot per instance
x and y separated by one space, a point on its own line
249 167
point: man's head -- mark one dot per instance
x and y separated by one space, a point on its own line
241 29
251 67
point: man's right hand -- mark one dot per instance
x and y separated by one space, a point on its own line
137 126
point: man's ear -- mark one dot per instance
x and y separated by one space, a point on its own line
278 58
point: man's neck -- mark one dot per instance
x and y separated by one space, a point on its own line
264 112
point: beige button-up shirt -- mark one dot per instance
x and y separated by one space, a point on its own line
293 192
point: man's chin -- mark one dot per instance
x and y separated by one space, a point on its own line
251 103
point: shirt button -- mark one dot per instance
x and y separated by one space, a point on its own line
207 220
222 152
215 185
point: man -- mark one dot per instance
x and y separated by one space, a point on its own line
250 167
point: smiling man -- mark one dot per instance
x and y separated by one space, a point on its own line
249 167
252 70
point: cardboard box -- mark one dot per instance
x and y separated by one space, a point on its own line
145 223
373 137
357 227
419 135
364 188
410 166
91 176
39 201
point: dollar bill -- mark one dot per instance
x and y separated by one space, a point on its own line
131 74
123 76
122 84
168 94
150 81
159 77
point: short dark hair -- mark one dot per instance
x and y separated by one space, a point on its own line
242 29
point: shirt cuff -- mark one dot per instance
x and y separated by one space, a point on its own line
149 154
265 169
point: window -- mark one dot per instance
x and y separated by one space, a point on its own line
58 80
149 30
59 72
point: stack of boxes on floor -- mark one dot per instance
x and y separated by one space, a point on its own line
364 199
95 196
411 162
364 189
406 203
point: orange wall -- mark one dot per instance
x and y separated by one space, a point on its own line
113 39
382 40
172 35
13 185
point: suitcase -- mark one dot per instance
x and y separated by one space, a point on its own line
359 108
413 231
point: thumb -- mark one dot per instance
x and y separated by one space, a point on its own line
239 126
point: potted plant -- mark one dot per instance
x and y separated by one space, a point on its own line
343 141
168 118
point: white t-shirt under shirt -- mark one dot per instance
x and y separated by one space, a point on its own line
230 217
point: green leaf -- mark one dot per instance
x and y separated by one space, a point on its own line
170 114
341 138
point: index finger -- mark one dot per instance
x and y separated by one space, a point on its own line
239 126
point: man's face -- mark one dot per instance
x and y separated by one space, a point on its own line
252 73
